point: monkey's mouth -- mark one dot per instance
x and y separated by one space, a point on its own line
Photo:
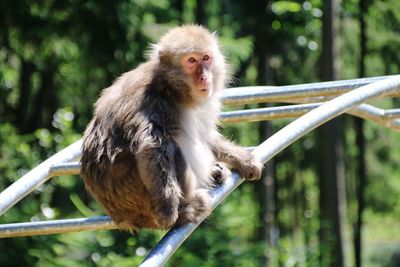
202 91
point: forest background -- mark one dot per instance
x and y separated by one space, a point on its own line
57 56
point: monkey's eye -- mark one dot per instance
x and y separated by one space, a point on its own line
192 60
206 57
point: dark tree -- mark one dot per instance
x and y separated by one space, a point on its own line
265 189
200 12
331 167
360 142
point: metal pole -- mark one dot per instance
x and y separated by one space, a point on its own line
56 227
261 94
388 118
269 148
36 177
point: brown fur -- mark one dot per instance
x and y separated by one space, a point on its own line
152 149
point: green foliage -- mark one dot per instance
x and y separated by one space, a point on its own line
56 57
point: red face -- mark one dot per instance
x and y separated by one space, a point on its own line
197 66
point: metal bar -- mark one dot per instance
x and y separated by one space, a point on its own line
272 146
389 118
377 115
392 113
56 227
65 168
383 117
261 94
36 177
269 113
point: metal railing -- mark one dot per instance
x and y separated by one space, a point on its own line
348 96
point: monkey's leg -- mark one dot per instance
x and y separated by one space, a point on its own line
158 168
195 207
196 204
237 158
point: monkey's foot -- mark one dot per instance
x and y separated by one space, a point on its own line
166 218
166 209
196 208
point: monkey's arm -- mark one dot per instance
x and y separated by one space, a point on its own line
160 163
237 158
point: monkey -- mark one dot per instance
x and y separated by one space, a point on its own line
152 150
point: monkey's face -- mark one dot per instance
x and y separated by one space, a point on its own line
197 67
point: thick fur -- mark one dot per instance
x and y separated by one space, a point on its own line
152 149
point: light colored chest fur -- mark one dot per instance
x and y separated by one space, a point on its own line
198 129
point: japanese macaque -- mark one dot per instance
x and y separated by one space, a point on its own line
152 150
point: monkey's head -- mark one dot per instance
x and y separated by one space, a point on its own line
191 57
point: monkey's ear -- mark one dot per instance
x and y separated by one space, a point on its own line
164 56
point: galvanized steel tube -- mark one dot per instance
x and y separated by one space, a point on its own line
268 113
56 227
36 176
387 118
261 94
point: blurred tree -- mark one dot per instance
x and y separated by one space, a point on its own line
256 17
331 168
55 58
360 143
201 12
265 188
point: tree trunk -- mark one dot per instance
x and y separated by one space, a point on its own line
26 72
331 167
45 104
200 12
265 189
361 185
178 5
331 183
360 142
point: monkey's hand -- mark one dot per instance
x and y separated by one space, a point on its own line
237 158
219 172
250 168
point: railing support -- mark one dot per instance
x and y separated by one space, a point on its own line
318 113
